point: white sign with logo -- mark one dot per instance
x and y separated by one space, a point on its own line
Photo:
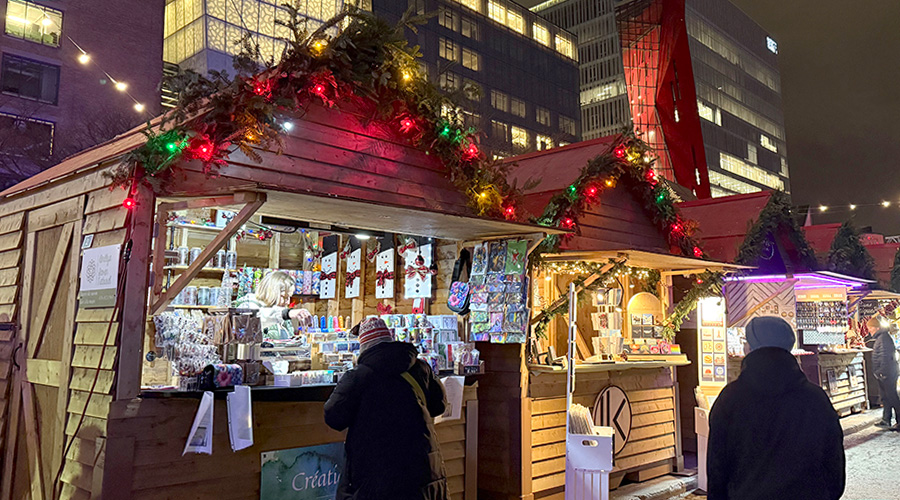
99 276
612 409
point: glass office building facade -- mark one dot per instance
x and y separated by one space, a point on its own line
643 64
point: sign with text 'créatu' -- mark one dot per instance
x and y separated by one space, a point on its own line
310 473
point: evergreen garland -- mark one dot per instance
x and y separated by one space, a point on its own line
774 220
367 69
848 255
628 164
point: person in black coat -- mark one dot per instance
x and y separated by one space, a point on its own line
391 449
772 433
884 365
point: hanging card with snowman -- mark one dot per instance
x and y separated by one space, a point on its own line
418 258
328 278
384 269
353 277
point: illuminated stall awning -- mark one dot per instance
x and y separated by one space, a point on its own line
667 263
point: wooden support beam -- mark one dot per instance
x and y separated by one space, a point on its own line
36 336
32 442
134 305
217 243
588 282
216 201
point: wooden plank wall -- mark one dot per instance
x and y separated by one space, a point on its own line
82 473
330 152
616 222
158 429
11 238
104 218
652 438
847 368
503 429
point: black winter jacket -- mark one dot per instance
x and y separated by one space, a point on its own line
392 451
774 435
884 364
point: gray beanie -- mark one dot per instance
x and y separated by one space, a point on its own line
770 331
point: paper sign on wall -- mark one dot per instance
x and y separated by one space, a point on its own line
99 276
384 269
353 277
328 278
417 267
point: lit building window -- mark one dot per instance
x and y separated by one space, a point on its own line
709 113
565 46
543 142
767 142
737 166
472 4
566 125
471 119
541 34
730 183
500 101
469 28
497 12
29 79
470 59
542 115
785 172
448 49
564 143
602 92
751 154
515 21
517 107
445 19
449 81
519 136
33 22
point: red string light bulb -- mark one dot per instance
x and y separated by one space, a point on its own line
620 152
591 191
509 212
407 125
698 252
568 222
471 152
129 203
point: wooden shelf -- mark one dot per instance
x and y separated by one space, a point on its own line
207 308
218 270
195 226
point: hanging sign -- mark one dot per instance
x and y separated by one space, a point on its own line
99 276
353 277
417 266
310 473
328 278
384 269
612 409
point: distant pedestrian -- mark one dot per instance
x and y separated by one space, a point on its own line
884 364
388 403
773 434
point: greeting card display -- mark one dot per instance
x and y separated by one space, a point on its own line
328 278
417 268
498 292
353 276
384 269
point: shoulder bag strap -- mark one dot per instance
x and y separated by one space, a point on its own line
462 262
420 394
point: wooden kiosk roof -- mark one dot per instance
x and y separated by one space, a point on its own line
673 264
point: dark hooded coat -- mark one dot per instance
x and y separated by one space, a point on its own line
773 434
391 448
884 364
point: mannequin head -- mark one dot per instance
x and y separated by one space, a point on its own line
275 289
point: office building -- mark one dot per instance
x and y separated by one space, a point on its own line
697 78
70 79
515 73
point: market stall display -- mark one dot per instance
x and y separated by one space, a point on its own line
817 305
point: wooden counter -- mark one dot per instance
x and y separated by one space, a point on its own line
842 376
146 437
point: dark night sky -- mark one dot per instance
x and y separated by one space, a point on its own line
840 75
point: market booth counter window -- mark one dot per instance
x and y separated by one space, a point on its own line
818 305
185 264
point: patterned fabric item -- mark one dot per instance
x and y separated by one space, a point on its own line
221 375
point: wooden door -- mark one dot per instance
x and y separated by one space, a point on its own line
43 356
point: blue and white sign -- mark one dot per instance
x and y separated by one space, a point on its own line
310 473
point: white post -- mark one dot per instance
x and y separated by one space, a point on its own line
570 358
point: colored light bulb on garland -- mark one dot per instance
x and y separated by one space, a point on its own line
620 152
573 189
610 182
677 227
698 252
509 211
471 152
591 191
407 125
129 203
568 222
651 176
445 131
661 197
